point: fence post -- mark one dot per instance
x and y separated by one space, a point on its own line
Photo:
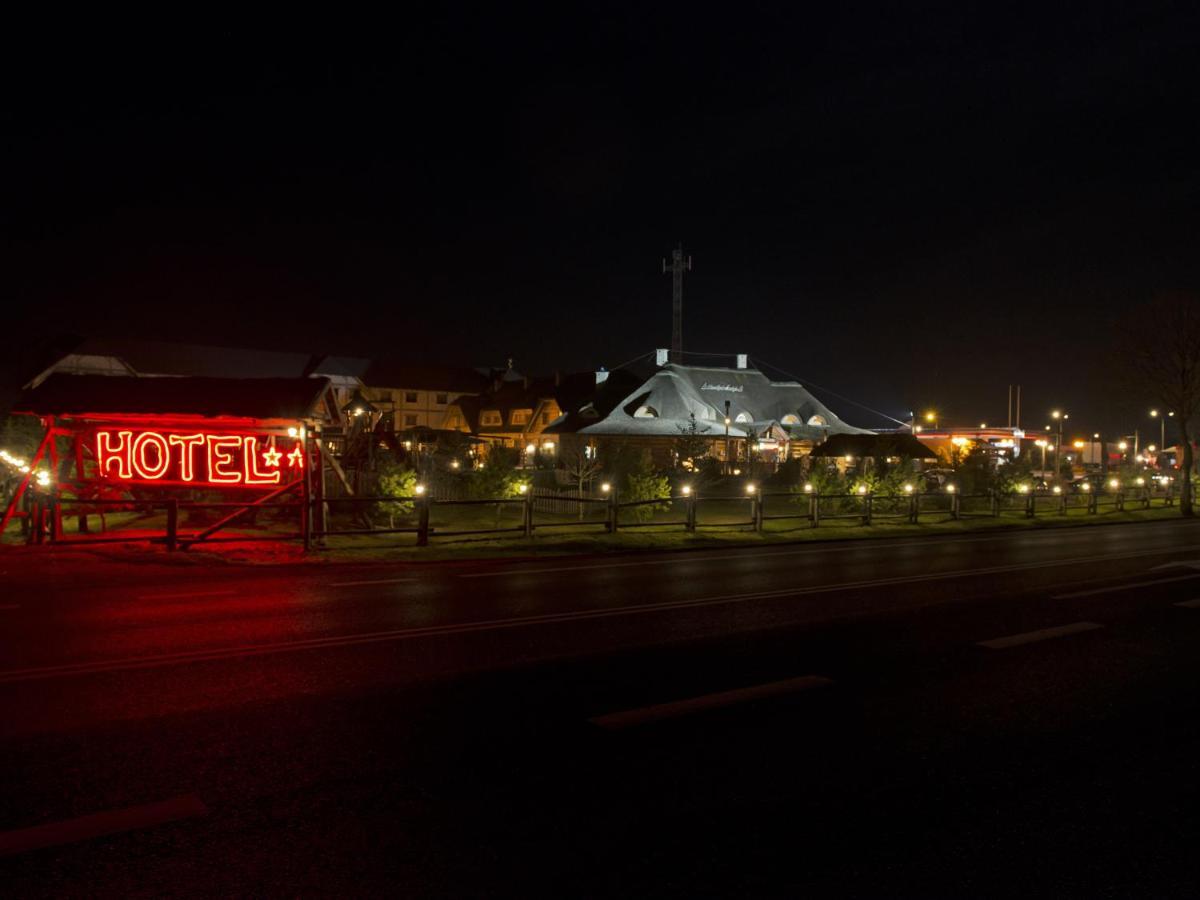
1031 505
423 521
1093 500
914 508
527 515
38 535
611 524
1120 501
815 510
756 510
172 524
866 509
995 505
955 509
691 513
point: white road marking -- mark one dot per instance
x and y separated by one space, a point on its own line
227 592
114 821
1179 564
43 672
1189 604
1123 587
677 708
379 581
1043 634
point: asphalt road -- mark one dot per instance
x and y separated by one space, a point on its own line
984 715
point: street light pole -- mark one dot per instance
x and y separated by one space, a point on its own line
1059 417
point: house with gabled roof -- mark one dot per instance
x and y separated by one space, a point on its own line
739 408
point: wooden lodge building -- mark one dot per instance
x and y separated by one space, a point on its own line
740 410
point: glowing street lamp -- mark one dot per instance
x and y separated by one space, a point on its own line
686 490
605 488
932 418
1162 426
1058 416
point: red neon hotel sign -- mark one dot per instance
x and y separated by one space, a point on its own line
202 459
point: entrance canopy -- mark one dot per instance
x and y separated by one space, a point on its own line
262 400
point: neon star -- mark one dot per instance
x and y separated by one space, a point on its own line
271 456
296 458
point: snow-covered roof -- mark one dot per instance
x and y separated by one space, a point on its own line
665 403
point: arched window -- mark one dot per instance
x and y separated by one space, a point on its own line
646 412
743 417
790 419
817 420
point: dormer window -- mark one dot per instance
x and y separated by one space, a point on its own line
817 420
645 412
790 419
743 417
490 417
520 417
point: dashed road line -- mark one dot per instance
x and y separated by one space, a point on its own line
115 821
1042 634
1124 587
185 595
1189 604
376 581
678 708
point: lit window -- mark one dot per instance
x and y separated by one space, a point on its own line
520 416
790 419
491 417
743 417
646 412
817 420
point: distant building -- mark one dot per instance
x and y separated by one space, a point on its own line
409 396
517 412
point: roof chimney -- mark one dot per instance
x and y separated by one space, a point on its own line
741 360
661 356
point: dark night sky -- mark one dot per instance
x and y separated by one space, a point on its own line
912 204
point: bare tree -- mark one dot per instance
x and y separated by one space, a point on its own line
582 468
1168 361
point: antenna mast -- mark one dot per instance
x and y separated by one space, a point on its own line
677 267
